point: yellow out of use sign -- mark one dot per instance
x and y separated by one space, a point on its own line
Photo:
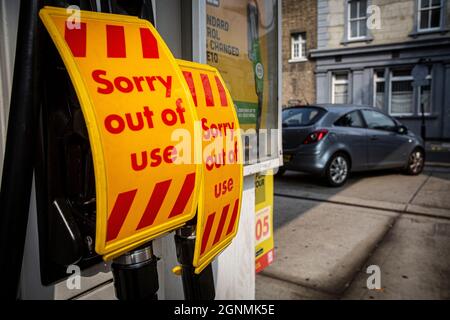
221 190
134 97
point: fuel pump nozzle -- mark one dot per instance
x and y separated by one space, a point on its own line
195 286
135 274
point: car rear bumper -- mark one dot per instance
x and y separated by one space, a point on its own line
312 162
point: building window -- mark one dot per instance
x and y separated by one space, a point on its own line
401 95
429 15
340 88
379 89
298 47
357 19
404 99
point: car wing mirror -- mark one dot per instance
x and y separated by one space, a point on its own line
402 129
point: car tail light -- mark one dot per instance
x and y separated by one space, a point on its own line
315 136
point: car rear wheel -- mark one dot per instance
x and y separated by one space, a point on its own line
337 170
416 162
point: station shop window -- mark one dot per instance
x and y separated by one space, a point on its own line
242 43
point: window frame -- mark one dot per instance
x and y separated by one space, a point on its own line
302 40
419 112
334 82
429 9
357 19
399 78
376 80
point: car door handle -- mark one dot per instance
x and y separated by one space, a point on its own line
373 138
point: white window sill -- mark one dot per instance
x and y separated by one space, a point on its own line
367 39
417 33
402 114
297 60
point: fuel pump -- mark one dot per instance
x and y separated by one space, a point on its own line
98 194
215 225
66 183
137 197
69 172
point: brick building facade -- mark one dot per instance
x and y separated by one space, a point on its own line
299 33
366 53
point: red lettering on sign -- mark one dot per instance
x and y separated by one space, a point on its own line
119 122
223 187
169 117
167 84
262 229
114 118
168 155
119 81
127 85
180 110
108 85
144 162
217 129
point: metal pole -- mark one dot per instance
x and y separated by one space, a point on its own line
423 128
19 153
135 274
195 286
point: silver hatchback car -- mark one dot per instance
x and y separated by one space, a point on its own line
334 140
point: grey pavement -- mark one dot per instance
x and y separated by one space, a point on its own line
426 194
325 238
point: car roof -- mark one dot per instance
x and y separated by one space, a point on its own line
333 108
334 111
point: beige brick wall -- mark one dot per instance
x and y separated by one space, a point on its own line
397 22
298 77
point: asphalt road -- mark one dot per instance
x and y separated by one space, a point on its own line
325 238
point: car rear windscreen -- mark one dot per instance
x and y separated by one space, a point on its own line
302 116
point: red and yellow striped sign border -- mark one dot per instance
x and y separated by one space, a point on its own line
221 190
133 95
